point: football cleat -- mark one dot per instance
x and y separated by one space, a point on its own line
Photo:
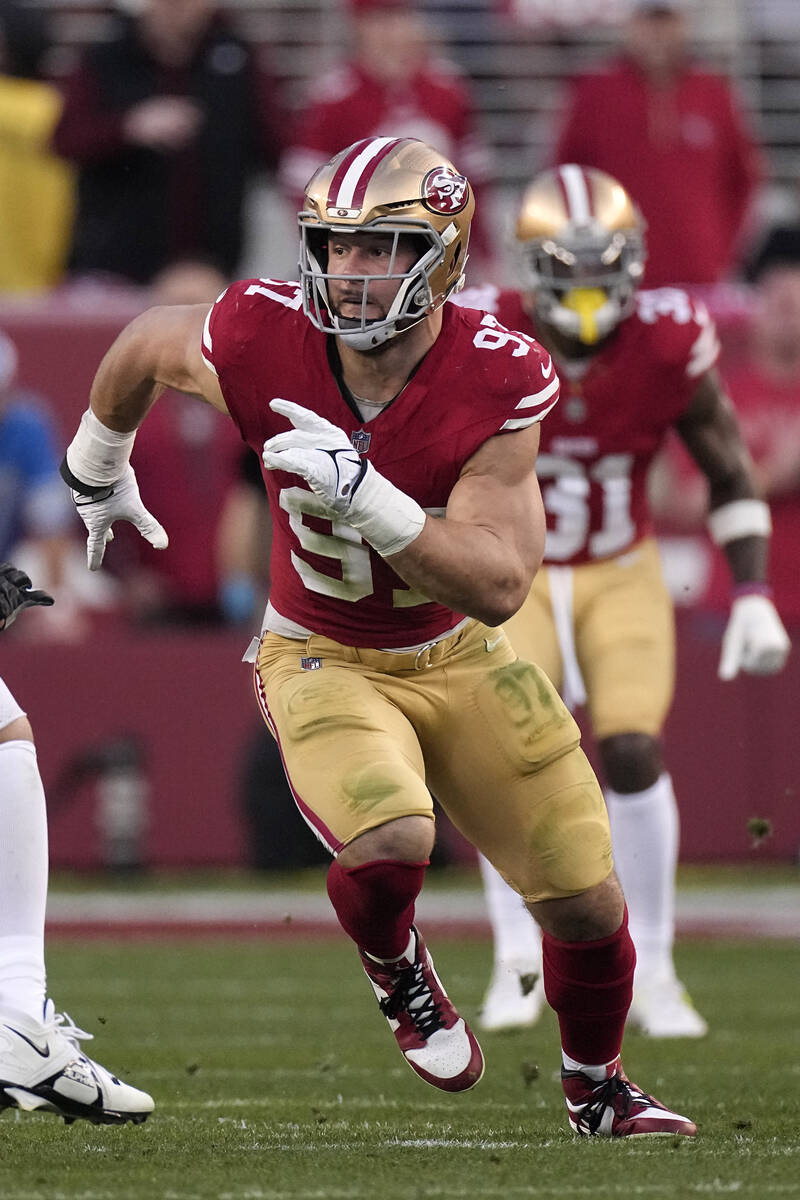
663 1010
434 1040
42 1067
514 999
615 1107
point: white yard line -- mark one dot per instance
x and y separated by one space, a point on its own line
761 912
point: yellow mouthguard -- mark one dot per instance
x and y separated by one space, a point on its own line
586 302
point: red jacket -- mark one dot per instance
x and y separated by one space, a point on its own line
683 152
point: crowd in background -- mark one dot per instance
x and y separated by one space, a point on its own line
125 171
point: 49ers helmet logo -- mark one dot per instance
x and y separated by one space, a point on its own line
445 191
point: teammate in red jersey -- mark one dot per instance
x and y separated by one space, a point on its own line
399 438
633 364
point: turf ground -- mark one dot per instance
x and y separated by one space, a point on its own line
276 1078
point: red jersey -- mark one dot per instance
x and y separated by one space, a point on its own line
476 381
616 408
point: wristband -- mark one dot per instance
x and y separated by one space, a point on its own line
77 485
739 519
97 456
752 587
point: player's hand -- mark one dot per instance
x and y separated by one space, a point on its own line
120 502
348 485
16 594
755 640
319 452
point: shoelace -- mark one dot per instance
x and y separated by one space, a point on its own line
72 1032
412 995
605 1096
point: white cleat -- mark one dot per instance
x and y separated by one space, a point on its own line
43 1067
514 999
662 1009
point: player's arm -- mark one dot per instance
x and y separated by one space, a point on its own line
159 349
739 522
479 559
711 433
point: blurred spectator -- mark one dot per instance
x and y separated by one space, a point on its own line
763 381
243 545
673 134
35 508
187 281
36 187
166 122
394 84
197 450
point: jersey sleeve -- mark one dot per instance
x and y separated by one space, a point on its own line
684 335
705 346
523 377
245 311
221 340
534 406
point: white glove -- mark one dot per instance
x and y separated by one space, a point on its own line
349 486
120 502
755 640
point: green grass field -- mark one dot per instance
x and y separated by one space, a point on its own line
276 1078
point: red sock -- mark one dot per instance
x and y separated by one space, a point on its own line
375 903
590 985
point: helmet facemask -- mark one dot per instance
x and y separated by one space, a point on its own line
412 302
584 281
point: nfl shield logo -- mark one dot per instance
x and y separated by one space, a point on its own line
360 441
310 664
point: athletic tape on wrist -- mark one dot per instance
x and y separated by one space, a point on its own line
97 456
384 516
739 519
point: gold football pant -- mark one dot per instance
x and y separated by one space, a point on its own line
620 629
365 733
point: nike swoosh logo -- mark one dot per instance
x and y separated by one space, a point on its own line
490 645
42 1053
549 370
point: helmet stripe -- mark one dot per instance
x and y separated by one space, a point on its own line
341 170
576 193
358 197
355 171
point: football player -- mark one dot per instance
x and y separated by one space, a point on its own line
633 365
42 1066
398 436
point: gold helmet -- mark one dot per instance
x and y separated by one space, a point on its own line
581 239
396 186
